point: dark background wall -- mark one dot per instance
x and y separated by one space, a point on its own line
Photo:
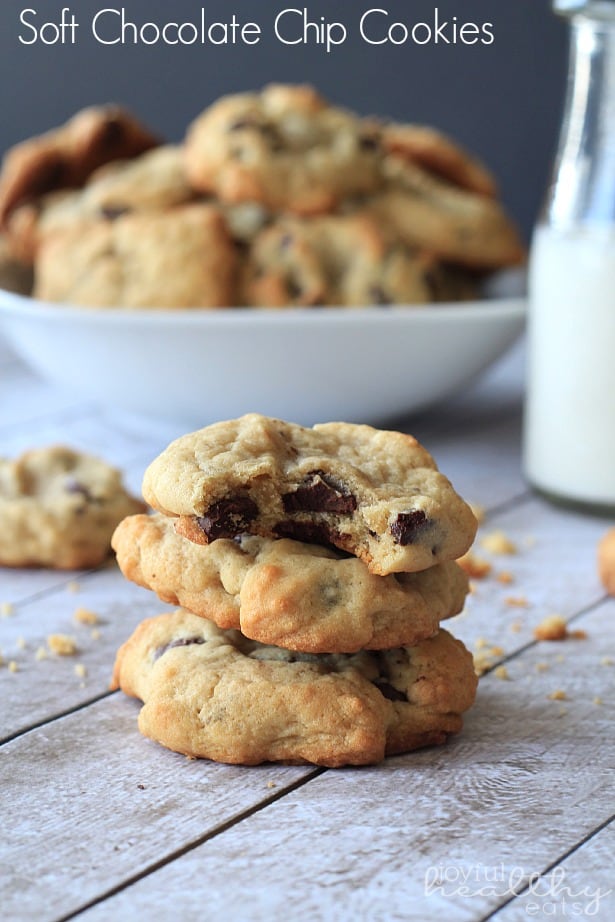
502 100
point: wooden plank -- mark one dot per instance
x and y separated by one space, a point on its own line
435 834
41 689
89 800
581 886
490 625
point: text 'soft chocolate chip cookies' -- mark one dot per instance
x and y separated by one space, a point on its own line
299 596
214 694
375 494
58 508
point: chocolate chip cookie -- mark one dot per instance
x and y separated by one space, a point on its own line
285 147
339 260
155 181
182 257
58 508
215 694
298 596
452 223
66 156
377 495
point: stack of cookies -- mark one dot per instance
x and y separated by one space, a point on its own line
313 567
275 199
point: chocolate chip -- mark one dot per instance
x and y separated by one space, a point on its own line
295 290
228 517
389 691
182 642
308 532
378 295
73 486
241 124
113 133
407 526
369 142
320 493
112 212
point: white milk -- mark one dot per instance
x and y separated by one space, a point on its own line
570 410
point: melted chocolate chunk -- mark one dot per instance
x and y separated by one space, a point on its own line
389 691
407 526
228 517
320 493
308 532
182 642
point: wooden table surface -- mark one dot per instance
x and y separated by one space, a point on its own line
510 820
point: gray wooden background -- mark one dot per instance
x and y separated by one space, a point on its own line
502 100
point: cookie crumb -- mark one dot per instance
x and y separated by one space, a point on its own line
141 787
481 643
6 609
1 660
505 577
271 784
13 666
41 653
558 695
73 587
22 643
95 634
62 644
553 627
516 627
578 635
497 651
542 667
516 601
482 663
80 670
85 616
474 566
598 701
501 672
498 543
607 661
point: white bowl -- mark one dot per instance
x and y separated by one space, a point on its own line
193 367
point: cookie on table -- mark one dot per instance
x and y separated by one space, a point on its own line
59 508
438 154
15 275
283 592
285 147
452 223
338 260
215 694
155 181
64 157
182 257
606 561
377 495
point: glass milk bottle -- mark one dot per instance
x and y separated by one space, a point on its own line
569 437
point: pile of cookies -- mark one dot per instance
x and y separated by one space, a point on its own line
274 199
313 567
